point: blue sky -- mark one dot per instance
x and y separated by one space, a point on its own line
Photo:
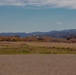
37 15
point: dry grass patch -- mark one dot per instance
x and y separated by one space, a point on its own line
36 48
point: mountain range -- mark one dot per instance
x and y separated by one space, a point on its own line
55 33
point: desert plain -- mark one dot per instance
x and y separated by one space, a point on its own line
38 64
37 58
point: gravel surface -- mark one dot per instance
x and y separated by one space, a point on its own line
38 64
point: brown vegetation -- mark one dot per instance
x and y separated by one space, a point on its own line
37 39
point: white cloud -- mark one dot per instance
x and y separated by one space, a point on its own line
40 3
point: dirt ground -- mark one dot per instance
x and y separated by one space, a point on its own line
38 64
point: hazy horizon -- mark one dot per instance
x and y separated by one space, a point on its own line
37 15
38 31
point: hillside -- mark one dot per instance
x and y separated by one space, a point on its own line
55 34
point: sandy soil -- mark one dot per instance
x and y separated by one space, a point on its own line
38 64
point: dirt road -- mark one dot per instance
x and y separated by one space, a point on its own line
38 64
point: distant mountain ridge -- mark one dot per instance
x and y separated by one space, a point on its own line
55 34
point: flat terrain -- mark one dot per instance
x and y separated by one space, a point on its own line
52 44
38 64
43 44
37 48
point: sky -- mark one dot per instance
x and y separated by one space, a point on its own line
37 15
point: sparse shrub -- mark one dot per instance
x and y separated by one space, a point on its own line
53 47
